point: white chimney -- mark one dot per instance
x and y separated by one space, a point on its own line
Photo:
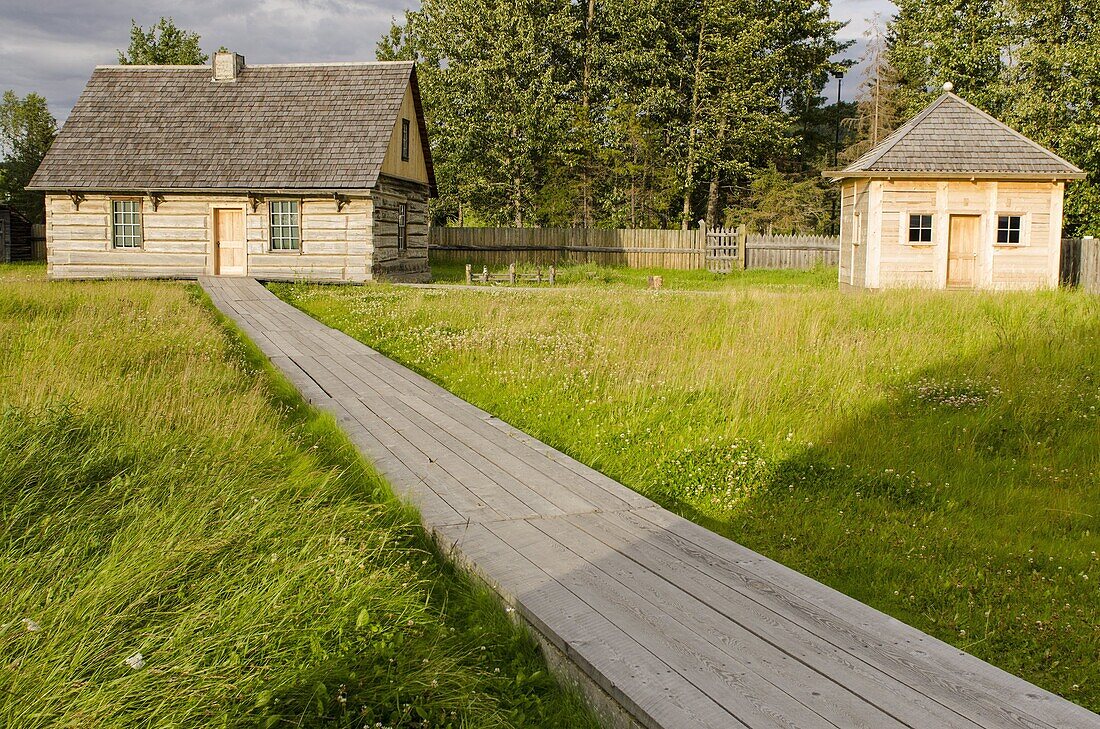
227 65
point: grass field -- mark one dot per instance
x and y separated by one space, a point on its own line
936 455
162 493
603 277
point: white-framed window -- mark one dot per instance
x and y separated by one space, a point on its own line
286 225
126 223
402 227
920 228
405 134
1010 230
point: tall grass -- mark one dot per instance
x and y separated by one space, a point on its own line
593 275
163 494
936 455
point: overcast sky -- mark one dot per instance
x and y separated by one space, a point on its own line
50 46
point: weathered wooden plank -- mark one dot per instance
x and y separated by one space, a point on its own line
947 674
734 686
646 686
739 602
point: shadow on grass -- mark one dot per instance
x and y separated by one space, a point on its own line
965 503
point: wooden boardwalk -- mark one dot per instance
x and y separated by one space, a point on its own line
679 626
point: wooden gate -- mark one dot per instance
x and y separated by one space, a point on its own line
725 249
1080 265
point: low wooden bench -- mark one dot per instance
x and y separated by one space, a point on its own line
511 276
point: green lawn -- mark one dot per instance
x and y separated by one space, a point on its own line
163 493
936 455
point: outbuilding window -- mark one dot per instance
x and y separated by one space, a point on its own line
1008 229
286 233
920 228
126 223
402 227
405 131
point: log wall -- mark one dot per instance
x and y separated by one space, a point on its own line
388 263
178 242
896 262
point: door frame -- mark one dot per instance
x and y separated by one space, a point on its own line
212 251
979 238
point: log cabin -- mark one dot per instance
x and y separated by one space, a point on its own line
317 172
952 199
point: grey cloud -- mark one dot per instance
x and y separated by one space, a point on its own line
50 46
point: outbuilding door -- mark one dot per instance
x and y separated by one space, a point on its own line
962 251
230 254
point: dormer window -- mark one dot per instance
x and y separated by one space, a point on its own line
404 140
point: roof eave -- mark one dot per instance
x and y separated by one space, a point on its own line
836 175
64 189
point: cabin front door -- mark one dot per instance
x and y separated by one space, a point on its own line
962 251
230 254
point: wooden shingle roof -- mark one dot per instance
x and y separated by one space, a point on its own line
293 127
952 137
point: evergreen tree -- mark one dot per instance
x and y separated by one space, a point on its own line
27 129
878 111
162 44
629 102
785 204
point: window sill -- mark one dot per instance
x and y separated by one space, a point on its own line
1010 245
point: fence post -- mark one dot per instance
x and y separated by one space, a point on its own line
1090 265
701 244
512 272
553 274
469 274
742 245
484 274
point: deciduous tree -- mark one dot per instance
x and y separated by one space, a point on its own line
162 44
27 129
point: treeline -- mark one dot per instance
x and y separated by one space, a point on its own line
640 113
632 113
1034 64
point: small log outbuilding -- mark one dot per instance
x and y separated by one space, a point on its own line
953 199
281 172
16 236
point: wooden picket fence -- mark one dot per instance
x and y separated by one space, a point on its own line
715 249
543 246
792 251
1080 265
